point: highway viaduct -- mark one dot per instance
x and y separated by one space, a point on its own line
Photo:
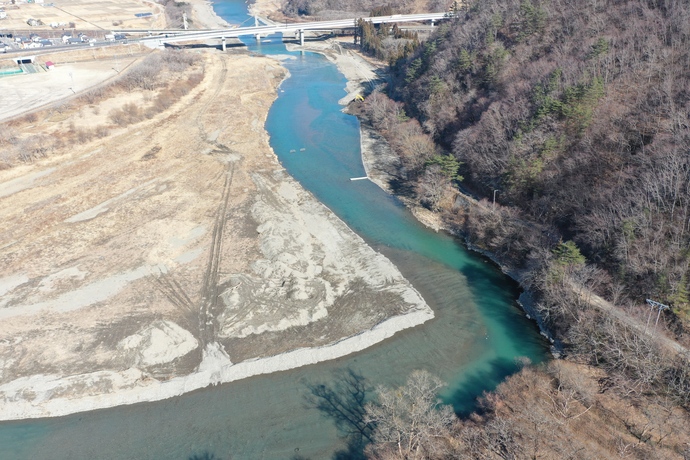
160 38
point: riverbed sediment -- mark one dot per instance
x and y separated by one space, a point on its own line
145 226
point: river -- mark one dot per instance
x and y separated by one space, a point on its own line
472 343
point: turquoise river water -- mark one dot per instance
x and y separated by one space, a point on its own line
472 343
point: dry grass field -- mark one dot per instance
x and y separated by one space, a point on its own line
85 14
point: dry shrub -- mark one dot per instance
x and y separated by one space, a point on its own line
8 135
128 114
195 78
82 136
33 147
162 102
167 97
174 11
101 131
178 60
93 96
62 107
6 158
144 75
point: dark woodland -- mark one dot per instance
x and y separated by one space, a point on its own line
555 136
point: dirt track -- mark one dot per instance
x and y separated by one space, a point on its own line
171 244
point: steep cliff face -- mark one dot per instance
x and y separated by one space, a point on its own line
577 114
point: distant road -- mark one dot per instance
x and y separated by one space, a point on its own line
160 37
180 36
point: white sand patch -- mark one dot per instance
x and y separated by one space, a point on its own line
263 8
9 283
48 283
190 236
189 256
90 294
27 397
38 388
214 360
22 183
158 343
205 16
105 206
173 240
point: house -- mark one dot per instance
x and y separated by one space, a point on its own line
50 65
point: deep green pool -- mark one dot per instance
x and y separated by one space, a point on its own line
472 343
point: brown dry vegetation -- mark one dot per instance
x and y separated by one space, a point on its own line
347 8
574 116
577 113
162 78
561 412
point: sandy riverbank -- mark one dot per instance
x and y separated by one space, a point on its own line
265 8
113 250
204 17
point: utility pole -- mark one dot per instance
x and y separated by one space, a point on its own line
493 208
653 305
184 21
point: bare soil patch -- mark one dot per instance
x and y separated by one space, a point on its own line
147 262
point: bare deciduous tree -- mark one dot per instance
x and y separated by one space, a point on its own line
410 422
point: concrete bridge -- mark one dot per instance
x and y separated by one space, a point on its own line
168 36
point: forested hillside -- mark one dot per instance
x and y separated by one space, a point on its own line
346 8
570 122
576 113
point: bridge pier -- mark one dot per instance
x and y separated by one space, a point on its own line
301 37
223 41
